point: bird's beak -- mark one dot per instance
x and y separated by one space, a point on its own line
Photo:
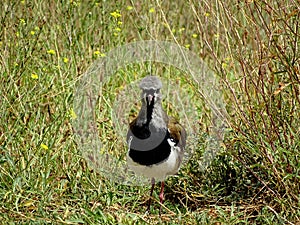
149 97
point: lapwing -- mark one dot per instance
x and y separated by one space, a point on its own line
156 142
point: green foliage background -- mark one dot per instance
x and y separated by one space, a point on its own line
253 47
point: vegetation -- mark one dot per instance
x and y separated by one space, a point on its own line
253 48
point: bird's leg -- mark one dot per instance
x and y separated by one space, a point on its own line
161 195
151 192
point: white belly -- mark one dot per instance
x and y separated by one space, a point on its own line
158 171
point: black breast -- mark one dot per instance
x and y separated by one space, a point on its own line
141 151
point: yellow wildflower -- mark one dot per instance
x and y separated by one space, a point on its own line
22 21
74 3
72 114
224 65
120 22
129 7
207 14
217 36
118 29
152 10
32 32
66 60
181 29
43 146
194 35
103 151
187 46
51 52
96 53
34 76
227 59
115 14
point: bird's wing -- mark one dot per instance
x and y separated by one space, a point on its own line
177 132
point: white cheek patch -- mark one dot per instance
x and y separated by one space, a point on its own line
171 142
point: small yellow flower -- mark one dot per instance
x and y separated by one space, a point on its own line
22 21
72 114
34 76
66 60
181 30
116 34
187 46
96 53
207 14
74 2
120 22
102 151
17 34
118 29
165 24
216 36
129 8
22 2
115 14
32 32
36 28
152 10
51 52
224 65
16 64
43 146
227 59
194 35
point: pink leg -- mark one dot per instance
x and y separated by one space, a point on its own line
161 194
151 192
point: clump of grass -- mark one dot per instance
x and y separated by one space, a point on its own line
261 75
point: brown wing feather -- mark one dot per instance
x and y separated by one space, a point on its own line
177 132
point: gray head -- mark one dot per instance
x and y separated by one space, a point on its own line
150 82
150 86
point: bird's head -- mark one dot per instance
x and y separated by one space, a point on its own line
150 87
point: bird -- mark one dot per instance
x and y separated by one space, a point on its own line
156 142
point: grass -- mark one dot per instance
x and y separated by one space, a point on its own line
252 46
